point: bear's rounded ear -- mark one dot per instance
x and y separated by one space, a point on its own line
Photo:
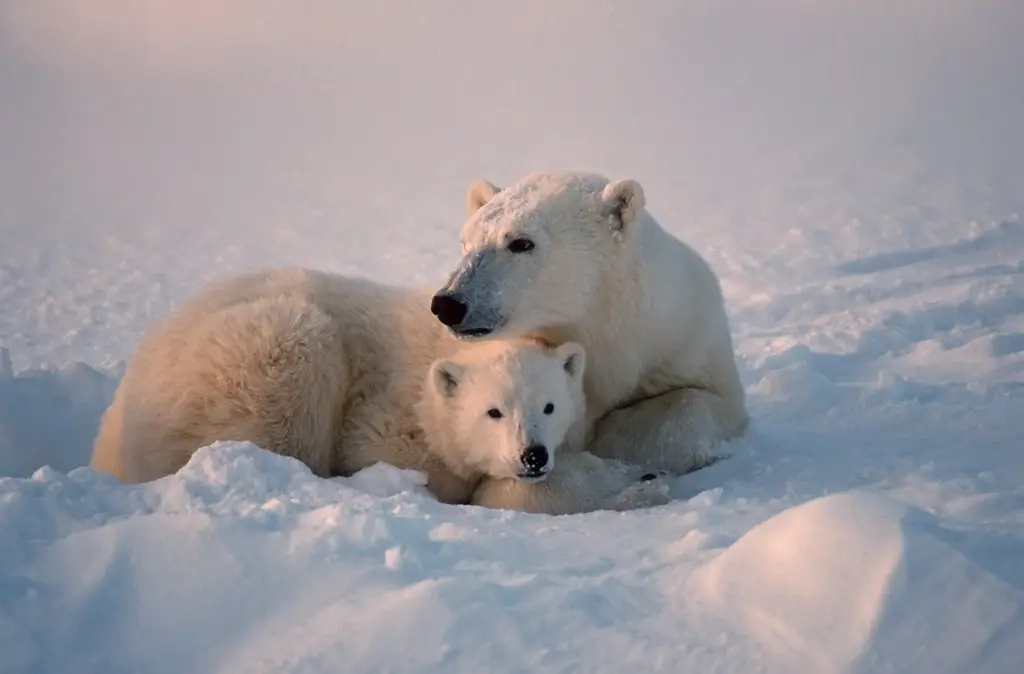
478 194
621 201
444 375
573 357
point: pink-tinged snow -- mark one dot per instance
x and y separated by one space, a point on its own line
853 171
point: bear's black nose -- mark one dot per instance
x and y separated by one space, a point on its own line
449 309
535 457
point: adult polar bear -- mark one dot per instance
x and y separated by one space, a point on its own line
572 256
341 373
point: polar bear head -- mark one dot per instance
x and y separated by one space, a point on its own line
534 253
503 408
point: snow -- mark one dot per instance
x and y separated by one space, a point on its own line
884 566
851 170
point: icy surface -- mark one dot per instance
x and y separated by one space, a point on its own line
852 170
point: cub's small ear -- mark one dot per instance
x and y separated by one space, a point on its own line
621 201
444 375
573 357
478 194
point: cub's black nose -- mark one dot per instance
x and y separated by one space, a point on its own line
448 308
535 457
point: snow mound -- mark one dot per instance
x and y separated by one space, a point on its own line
49 416
855 582
97 576
245 561
382 479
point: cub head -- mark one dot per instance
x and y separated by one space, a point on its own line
533 253
503 408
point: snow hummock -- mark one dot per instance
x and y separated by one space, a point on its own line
851 170
841 583
49 415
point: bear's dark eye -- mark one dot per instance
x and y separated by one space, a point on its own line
549 408
494 413
520 246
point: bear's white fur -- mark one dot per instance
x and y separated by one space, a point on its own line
342 373
572 256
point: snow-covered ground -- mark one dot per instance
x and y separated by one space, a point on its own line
853 170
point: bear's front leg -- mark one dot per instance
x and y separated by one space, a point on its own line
675 431
579 483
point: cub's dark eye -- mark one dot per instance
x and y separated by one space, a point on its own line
549 408
520 246
494 413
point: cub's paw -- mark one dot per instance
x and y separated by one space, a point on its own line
644 494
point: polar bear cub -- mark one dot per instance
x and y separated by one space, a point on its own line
342 373
505 407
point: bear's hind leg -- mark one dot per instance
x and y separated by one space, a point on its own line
107 447
265 371
286 377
